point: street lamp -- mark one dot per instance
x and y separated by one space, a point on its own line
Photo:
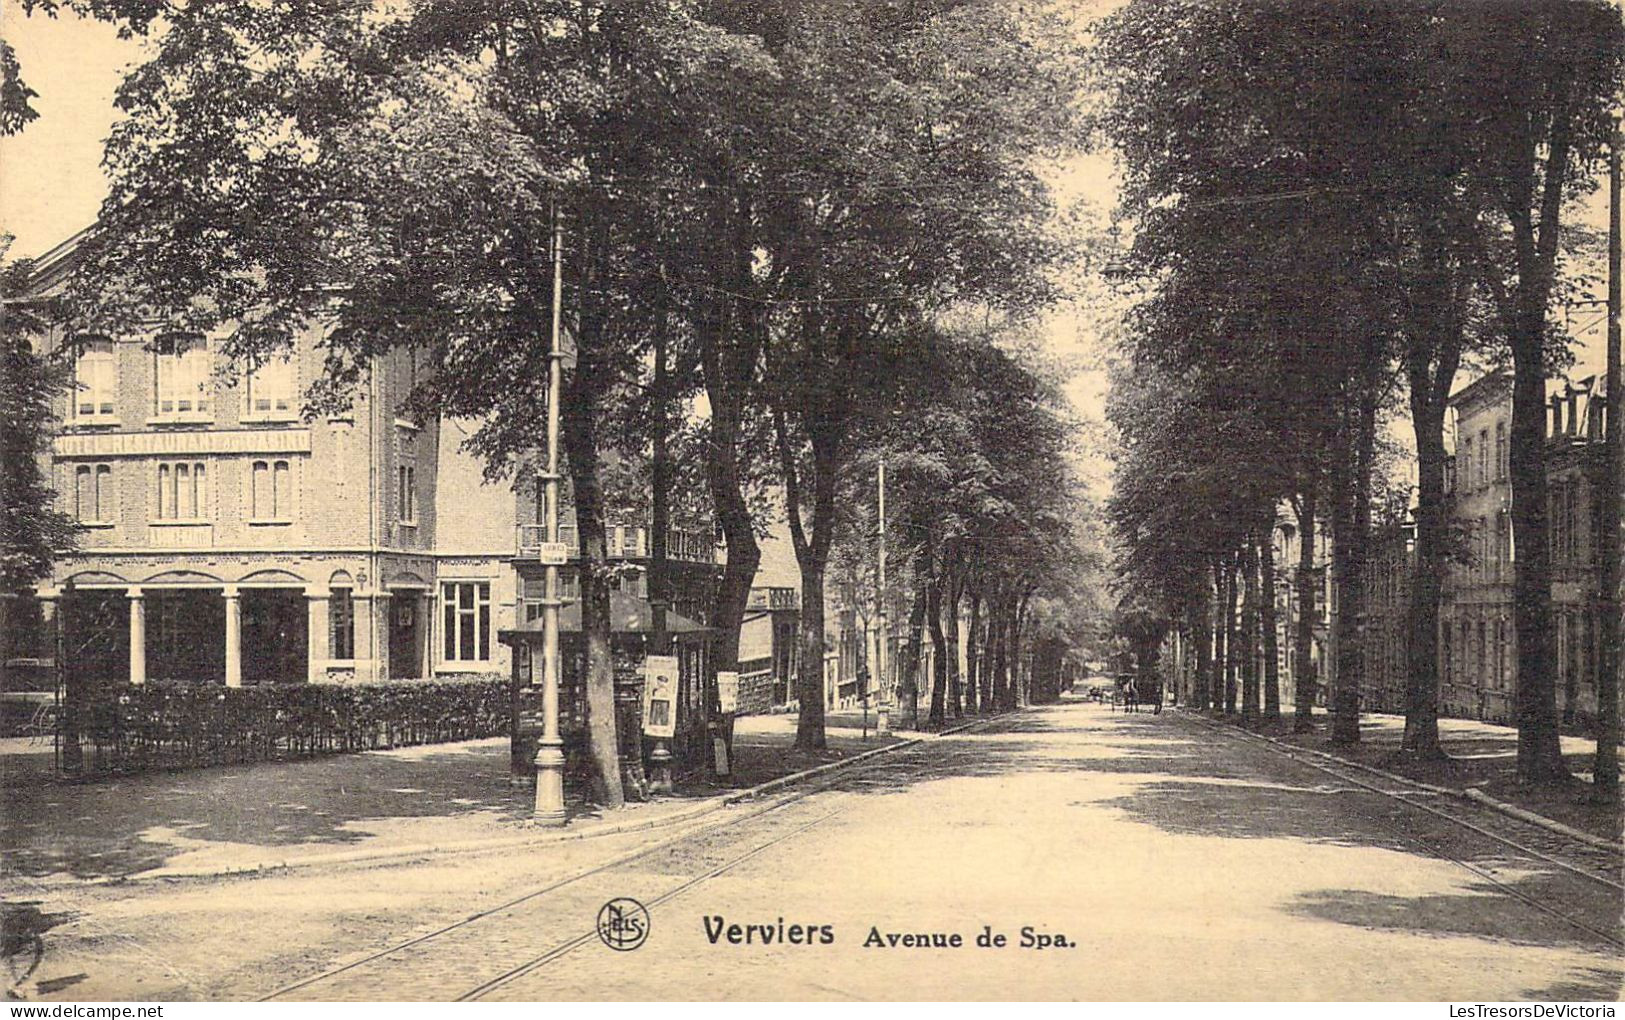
549 761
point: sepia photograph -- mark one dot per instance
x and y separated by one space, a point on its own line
801 501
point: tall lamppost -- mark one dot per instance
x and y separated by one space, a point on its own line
883 648
549 807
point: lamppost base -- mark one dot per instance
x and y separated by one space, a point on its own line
549 806
660 759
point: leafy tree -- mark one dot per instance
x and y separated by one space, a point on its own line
911 137
36 533
412 162
1537 86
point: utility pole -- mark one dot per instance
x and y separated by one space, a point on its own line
549 807
1611 510
883 649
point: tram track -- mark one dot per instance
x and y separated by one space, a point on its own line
500 947
496 923
1586 862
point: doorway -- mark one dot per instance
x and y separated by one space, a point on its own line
406 627
276 636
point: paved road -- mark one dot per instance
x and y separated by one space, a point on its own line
1174 860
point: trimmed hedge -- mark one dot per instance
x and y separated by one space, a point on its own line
177 726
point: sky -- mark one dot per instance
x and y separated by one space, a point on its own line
51 182
51 186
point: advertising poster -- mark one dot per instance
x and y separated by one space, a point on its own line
660 696
727 691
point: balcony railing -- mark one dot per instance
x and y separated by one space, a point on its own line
622 542
774 598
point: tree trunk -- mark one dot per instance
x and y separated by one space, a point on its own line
1266 624
1523 312
939 657
911 656
1249 633
1202 689
1427 580
1609 511
578 413
933 616
810 650
1304 682
812 556
1234 652
1023 670
1221 633
951 632
728 363
973 652
1000 677
1346 571
1540 758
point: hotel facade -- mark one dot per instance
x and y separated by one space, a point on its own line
225 537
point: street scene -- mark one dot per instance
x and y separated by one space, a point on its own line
732 500
1159 852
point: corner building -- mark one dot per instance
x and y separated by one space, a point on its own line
227 539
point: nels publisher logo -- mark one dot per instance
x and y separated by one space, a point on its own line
623 924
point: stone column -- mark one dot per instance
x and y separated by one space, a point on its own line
317 638
138 636
380 633
426 634
365 625
234 636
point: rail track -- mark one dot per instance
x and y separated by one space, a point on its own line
1559 878
1509 853
478 953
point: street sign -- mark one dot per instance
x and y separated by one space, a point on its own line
553 554
660 695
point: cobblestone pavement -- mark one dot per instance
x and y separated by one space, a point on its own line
1173 861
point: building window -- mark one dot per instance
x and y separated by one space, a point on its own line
182 491
1466 654
270 388
341 623
1467 465
407 495
271 491
1483 652
1557 521
95 376
182 375
93 494
1571 522
1500 451
1500 652
466 609
1484 457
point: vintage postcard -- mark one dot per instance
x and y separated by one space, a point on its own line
748 500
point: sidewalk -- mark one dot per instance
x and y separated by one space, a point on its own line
1484 758
248 817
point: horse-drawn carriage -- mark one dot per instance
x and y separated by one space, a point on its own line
1131 692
